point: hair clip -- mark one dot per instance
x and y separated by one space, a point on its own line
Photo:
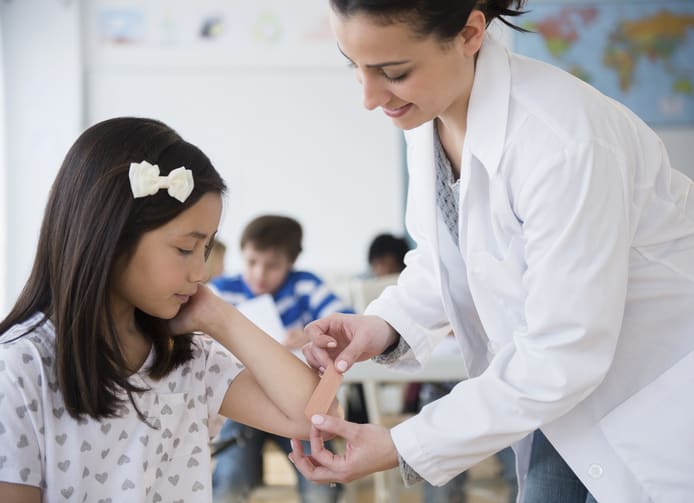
145 181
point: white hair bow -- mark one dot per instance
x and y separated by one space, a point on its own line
145 181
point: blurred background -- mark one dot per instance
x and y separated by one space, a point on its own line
261 88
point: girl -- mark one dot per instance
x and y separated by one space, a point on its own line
556 242
106 386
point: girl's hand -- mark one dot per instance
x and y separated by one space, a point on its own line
369 449
200 313
346 339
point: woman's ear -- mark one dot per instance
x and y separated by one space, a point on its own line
472 34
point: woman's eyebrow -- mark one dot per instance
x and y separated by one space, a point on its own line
375 65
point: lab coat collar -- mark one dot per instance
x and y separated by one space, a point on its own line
489 103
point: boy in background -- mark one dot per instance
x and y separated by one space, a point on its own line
270 245
387 255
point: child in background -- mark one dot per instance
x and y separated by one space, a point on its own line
387 255
106 388
215 260
270 245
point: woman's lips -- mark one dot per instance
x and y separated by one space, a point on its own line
394 113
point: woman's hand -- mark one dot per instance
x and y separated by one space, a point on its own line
346 339
369 449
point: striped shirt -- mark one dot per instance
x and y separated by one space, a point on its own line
302 298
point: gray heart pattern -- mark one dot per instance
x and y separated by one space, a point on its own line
109 441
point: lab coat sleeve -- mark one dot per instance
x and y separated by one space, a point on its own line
575 225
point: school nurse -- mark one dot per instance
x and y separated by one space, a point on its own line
557 243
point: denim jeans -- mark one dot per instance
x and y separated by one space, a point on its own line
550 478
239 469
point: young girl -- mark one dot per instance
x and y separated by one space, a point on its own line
556 242
106 386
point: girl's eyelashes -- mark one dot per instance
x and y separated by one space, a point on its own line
183 251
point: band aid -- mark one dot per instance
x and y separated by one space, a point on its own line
324 394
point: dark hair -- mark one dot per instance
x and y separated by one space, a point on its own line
91 222
274 232
387 244
443 18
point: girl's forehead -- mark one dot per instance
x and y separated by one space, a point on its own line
200 221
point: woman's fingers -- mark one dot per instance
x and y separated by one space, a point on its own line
308 465
315 356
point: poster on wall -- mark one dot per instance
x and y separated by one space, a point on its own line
639 53
210 33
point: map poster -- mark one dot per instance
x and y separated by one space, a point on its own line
639 53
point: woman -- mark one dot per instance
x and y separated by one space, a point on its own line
556 242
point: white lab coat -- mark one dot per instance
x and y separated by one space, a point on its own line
570 291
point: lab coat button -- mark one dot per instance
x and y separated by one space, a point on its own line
596 471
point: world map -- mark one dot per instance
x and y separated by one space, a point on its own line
641 54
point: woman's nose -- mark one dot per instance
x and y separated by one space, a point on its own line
373 92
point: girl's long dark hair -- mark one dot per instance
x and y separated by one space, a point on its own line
91 221
443 18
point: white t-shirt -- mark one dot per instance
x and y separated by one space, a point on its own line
112 460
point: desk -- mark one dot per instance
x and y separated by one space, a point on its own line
441 367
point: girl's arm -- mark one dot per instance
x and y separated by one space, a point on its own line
272 392
19 493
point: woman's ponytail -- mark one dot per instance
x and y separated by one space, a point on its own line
501 9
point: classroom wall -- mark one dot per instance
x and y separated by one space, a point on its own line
42 98
268 129
289 141
281 119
